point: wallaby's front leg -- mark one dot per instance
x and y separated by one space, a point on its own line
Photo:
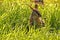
41 21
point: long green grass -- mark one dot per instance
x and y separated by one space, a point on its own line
14 22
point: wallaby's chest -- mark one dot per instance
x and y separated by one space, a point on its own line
34 15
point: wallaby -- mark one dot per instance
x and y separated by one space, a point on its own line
36 16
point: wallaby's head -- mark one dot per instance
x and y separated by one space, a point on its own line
39 2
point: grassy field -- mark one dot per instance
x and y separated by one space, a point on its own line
14 21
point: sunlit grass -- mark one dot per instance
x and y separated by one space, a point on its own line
14 22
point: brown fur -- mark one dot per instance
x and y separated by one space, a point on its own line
36 16
37 19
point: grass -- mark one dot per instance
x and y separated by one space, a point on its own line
14 21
